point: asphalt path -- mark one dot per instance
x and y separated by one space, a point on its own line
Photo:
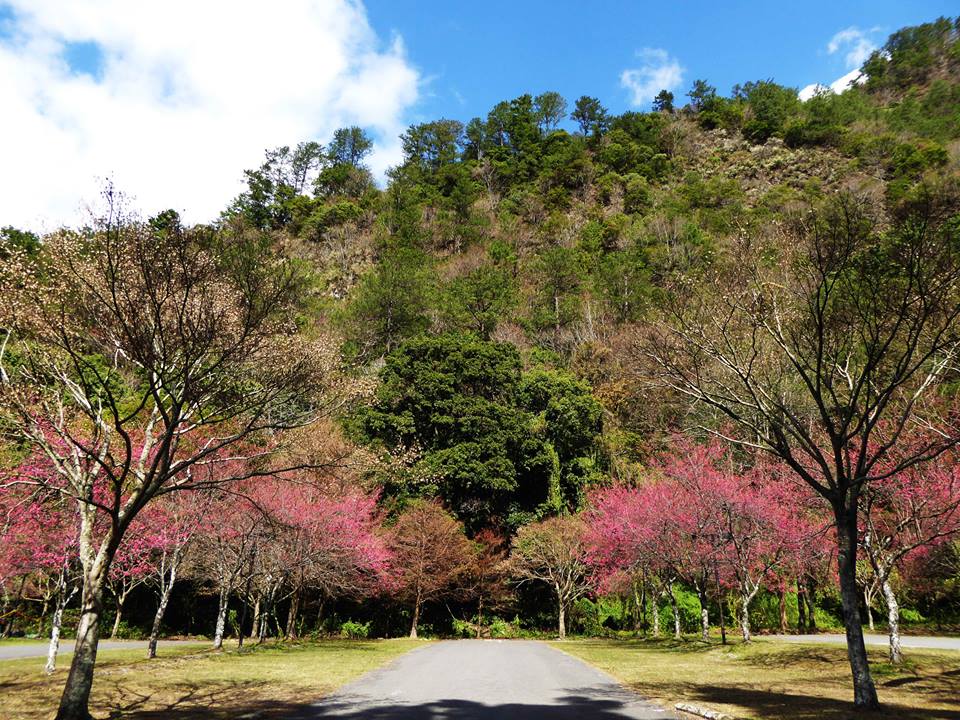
908 641
486 680
13 651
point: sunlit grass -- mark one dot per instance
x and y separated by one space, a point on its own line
268 681
773 679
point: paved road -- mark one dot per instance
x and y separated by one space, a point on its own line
12 651
486 680
907 641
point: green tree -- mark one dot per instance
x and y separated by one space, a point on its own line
496 447
344 173
624 283
22 240
551 108
274 189
569 419
590 115
350 146
477 301
770 105
702 95
430 146
558 280
663 102
390 304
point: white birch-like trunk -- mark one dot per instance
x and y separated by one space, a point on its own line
54 646
162 608
656 617
745 617
676 613
221 618
893 620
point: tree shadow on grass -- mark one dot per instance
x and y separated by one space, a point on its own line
768 703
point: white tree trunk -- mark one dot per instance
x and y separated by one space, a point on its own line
221 618
745 617
54 638
656 617
561 621
121 599
676 613
162 609
893 620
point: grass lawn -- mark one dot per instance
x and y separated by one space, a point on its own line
772 679
270 681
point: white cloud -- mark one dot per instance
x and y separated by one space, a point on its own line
658 72
187 96
858 47
857 44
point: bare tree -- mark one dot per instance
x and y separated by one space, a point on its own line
137 354
431 555
824 348
553 552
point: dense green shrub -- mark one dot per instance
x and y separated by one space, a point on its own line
355 630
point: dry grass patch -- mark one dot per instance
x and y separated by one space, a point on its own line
189 683
772 679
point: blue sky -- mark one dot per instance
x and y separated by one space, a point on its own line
172 99
476 54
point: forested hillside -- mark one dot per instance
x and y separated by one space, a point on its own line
554 331
560 230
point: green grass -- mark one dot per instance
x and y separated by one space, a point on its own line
191 682
771 679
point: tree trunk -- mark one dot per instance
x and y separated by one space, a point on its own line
121 599
783 610
255 628
291 631
893 620
318 623
55 625
811 597
676 613
76 692
704 616
801 608
723 621
224 603
416 619
864 691
561 621
42 620
745 617
161 611
264 623
656 616
479 615
867 601
240 624
643 606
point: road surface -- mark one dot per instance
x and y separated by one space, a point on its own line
486 680
908 641
13 651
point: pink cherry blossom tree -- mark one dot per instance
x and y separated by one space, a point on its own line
39 542
903 515
146 352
